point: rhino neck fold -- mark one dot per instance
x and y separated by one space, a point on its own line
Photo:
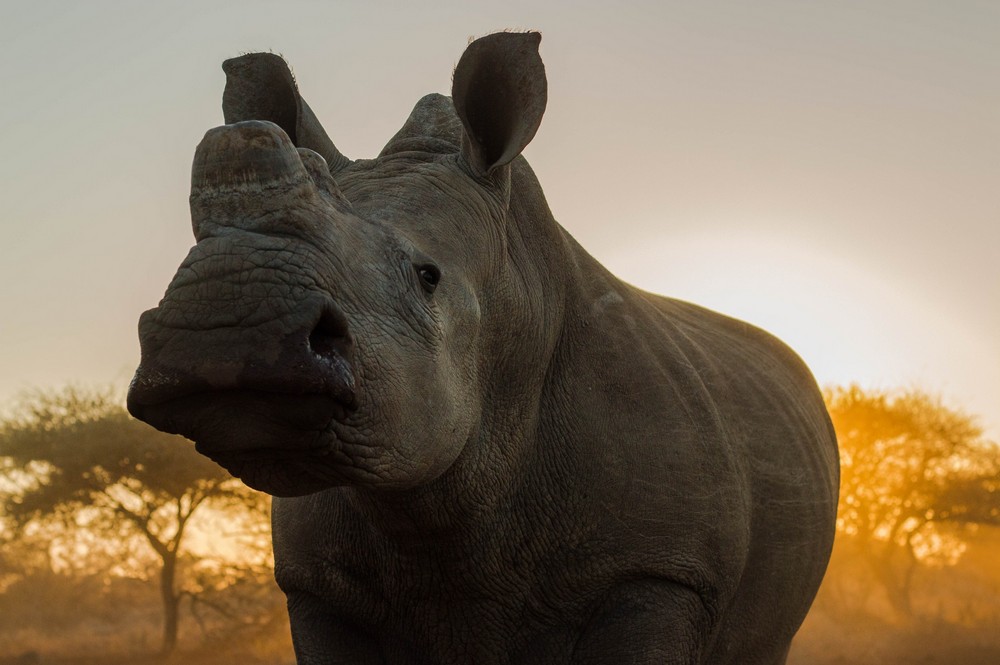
473 499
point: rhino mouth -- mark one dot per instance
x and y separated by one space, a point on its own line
282 444
260 400
219 413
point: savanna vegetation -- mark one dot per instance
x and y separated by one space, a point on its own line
915 572
124 544
120 544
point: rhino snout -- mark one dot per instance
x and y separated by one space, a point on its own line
186 376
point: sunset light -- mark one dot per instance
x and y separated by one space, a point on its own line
827 172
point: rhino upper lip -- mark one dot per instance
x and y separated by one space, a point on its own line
164 395
152 387
182 412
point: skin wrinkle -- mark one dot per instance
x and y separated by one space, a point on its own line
472 203
185 304
278 288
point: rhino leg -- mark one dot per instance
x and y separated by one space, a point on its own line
646 621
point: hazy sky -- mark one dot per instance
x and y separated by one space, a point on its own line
829 171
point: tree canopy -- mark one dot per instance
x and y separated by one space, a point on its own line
77 458
915 475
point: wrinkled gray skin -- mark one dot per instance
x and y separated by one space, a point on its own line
487 448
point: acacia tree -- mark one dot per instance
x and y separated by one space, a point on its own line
77 457
914 475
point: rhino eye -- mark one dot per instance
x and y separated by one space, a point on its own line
430 275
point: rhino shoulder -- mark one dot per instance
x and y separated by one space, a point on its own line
742 347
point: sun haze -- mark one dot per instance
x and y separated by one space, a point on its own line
827 172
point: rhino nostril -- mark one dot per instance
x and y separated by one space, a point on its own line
330 335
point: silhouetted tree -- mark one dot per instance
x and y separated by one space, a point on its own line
78 458
914 474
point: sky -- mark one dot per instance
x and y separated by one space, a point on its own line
829 171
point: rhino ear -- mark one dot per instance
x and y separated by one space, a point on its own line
260 86
499 91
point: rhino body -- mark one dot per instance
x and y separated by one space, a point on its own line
484 447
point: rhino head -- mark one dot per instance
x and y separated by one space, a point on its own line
356 322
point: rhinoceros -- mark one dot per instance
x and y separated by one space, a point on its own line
483 447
